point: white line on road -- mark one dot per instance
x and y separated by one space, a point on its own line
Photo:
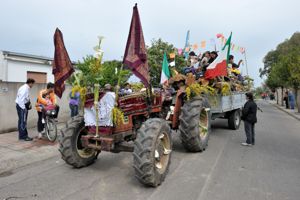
209 177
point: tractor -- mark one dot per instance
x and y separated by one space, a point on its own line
149 118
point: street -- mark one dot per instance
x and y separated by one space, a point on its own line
225 171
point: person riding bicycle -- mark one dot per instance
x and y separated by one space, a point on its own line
41 103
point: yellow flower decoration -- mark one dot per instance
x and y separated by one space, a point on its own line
118 116
225 91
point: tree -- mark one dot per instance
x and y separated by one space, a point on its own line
110 73
282 66
155 57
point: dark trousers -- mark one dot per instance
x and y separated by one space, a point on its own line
22 122
250 132
74 110
286 104
40 125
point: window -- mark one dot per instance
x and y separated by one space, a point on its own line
39 77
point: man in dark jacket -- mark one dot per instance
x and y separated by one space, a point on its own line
249 117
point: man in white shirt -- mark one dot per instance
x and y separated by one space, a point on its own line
22 105
105 107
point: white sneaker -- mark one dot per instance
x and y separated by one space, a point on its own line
40 135
246 144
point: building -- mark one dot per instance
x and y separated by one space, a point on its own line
18 67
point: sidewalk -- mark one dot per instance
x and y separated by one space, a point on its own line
15 154
290 112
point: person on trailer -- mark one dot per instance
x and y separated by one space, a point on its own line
41 103
127 89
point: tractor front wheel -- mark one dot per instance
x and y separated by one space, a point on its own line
195 124
70 145
152 152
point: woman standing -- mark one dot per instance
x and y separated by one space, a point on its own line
249 117
74 102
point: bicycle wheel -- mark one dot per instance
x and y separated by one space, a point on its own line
51 129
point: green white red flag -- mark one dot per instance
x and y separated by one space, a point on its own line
165 72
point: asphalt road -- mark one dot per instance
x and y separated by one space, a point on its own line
226 170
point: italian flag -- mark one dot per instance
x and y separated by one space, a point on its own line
165 72
219 66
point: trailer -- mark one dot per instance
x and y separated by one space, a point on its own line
228 107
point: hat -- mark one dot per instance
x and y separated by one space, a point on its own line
107 86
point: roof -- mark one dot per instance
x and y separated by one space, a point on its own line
27 55
44 58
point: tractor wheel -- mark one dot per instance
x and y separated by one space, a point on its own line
195 124
70 146
152 152
234 119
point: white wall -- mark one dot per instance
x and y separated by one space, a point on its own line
17 70
2 67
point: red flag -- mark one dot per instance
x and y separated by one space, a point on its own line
135 57
62 66
220 35
219 66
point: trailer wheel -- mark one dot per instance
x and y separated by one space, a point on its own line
234 119
152 152
70 147
195 124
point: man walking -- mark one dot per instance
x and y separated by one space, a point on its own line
249 117
23 105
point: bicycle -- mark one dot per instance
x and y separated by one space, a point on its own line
50 123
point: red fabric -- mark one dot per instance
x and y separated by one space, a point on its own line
135 57
219 35
50 107
220 69
101 130
62 66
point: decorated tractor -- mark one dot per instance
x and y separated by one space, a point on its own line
141 123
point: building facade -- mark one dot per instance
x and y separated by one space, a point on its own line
18 67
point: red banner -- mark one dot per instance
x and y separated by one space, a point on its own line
62 66
135 57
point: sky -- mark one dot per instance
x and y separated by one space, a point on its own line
27 26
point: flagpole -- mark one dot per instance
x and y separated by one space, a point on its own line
246 62
118 84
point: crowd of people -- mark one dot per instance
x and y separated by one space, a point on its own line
197 64
46 100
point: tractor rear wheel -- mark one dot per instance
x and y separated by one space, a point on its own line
152 152
195 124
70 146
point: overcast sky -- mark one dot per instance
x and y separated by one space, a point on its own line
27 26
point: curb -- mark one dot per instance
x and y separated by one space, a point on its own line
282 109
